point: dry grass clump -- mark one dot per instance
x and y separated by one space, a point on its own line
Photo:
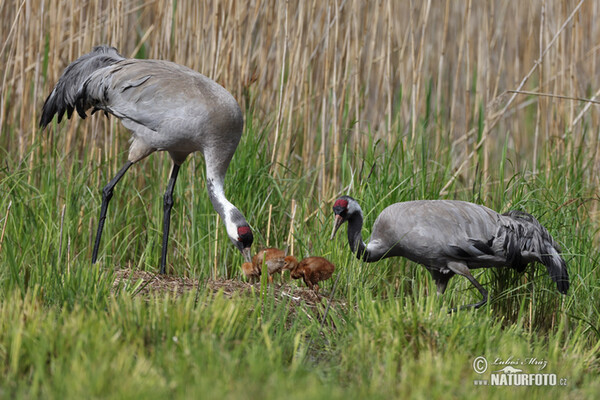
150 284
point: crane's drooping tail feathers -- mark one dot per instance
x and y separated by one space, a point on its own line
525 236
64 97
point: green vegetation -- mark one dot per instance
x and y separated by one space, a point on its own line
384 109
66 333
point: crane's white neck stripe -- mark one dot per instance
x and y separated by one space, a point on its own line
228 212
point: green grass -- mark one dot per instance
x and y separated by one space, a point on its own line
64 333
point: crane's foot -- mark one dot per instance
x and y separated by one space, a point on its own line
468 306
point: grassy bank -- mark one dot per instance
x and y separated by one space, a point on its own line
66 332
383 102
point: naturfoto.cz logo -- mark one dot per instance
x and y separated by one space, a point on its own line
515 372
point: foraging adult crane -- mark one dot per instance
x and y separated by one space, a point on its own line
452 237
311 269
167 107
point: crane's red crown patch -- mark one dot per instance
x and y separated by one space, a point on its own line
244 230
341 203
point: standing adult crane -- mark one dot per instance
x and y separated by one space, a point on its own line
167 107
452 237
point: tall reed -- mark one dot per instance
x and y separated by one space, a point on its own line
322 74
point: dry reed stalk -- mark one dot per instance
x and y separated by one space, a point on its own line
68 254
306 144
60 235
454 95
143 40
294 81
71 11
585 109
388 72
2 92
290 237
4 224
539 60
19 66
413 62
541 75
12 27
345 63
483 91
80 220
440 76
467 71
321 159
217 36
269 224
497 117
281 85
494 94
421 53
325 125
334 84
562 97
283 154
346 85
573 84
36 87
86 34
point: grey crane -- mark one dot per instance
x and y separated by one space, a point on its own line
452 237
167 107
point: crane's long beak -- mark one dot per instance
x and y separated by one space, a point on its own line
247 255
338 222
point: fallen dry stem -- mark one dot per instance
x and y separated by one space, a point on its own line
557 96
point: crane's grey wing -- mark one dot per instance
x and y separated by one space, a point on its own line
433 231
156 93
525 240
65 94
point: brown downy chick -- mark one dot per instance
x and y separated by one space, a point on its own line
273 259
252 273
312 270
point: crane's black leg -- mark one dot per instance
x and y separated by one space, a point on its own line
462 269
107 194
440 279
167 206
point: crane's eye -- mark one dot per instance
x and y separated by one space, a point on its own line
340 207
338 210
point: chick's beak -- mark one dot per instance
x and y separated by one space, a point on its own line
246 254
337 223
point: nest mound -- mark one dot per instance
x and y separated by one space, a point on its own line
148 284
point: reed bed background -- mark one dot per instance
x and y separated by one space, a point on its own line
384 100
320 75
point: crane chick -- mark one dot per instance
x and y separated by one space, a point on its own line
251 272
273 259
311 269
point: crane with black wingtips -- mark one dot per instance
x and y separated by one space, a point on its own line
452 237
167 107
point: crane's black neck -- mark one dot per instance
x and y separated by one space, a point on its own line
357 246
